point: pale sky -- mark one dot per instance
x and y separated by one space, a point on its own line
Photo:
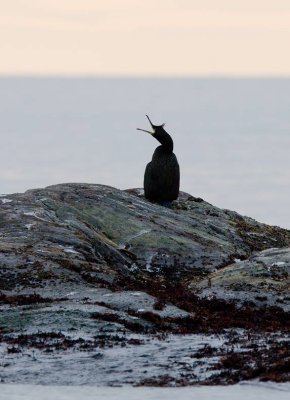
145 37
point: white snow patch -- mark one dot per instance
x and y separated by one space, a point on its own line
35 215
29 226
71 293
133 267
70 250
237 392
30 214
4 201
278 264
237 260
149 261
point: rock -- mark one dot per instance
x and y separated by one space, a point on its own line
102 262
84 233
263 279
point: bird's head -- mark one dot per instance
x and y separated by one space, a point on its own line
157 129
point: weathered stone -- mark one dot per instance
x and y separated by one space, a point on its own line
263 279
85 266
85 233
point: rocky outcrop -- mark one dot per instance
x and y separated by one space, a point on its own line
263 279
76 233
110 261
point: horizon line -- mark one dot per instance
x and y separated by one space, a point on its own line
141 76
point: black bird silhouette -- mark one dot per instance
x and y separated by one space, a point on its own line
162 176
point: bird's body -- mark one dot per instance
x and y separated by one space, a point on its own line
161 179
162 176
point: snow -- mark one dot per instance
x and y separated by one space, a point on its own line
4 201
34 214
30 214
149 261
29 226
71 293
70 250
238 392
278 264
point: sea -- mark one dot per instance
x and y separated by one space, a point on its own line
231 136
251 391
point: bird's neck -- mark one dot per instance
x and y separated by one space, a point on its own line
165 139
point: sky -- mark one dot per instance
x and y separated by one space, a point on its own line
145 38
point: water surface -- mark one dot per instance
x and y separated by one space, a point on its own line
232 136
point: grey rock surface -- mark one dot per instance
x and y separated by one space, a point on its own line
264 279
88 272
73 234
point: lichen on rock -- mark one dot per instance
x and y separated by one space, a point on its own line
110 261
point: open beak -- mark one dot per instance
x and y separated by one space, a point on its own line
150 122
143 130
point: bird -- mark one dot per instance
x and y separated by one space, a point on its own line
162 174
